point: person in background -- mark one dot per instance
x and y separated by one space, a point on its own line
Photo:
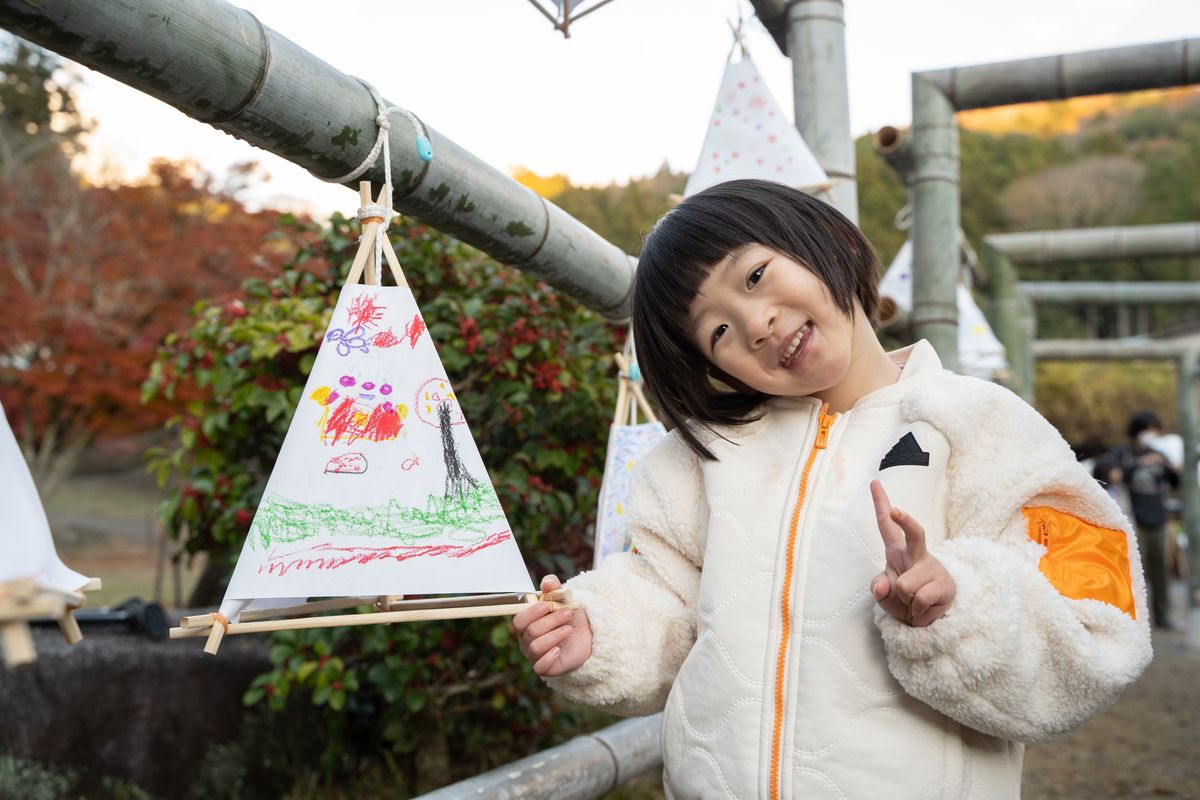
1149 476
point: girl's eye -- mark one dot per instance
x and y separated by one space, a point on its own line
717 333
755 276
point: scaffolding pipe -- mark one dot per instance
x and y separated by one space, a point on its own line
816 43
585 768
1057 77
218 64
1099 244
1185 358
1111 292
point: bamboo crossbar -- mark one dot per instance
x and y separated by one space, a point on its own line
373 618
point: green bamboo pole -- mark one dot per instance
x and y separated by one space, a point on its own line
935 220
1100 244
1111 292
1189 490
218 64
816 43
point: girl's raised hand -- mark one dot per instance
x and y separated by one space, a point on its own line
914 587
555 642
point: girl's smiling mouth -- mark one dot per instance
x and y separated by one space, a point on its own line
795 348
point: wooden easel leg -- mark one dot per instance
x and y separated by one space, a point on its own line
215 635
70 628
17 643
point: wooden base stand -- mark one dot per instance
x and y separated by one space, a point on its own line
23 600
392 611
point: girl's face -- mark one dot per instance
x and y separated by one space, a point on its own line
769 322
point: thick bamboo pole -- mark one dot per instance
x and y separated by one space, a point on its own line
218 64
935 220
1110 292
937 94
585 768
1099 244
1105 350
1056 77
816 43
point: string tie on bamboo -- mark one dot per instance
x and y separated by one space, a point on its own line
382 144
222 619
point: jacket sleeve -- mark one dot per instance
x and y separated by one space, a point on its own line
1049 623
642 604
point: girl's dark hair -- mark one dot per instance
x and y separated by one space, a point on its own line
685 245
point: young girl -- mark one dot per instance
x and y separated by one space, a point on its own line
806 637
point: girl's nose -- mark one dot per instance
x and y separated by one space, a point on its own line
763 331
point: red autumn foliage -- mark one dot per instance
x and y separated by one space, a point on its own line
93 277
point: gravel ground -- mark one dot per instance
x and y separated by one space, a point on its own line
1146 745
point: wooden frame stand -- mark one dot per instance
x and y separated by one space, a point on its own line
23 600
388 611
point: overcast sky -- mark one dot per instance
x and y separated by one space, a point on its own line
632 87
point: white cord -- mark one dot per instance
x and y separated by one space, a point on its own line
382 143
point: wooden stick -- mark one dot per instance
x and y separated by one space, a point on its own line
70 628
215 635
93 585
46 604
375 618
314 607
642 402
17 642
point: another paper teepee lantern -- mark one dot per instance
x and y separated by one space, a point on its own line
33 579
749 137
980 353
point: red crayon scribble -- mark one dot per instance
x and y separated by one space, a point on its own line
363 311
332 558
348 463
352 422
385 339
414 330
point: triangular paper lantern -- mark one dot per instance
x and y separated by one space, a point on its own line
26 546
749 137
379 488
980 353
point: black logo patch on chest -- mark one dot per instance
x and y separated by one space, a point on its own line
905 453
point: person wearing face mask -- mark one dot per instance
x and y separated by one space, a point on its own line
1149 476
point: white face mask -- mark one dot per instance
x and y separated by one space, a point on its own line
1147 437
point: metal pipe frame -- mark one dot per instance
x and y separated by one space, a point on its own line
938 94
218 64
585 768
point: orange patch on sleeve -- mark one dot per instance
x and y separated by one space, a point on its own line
1082 560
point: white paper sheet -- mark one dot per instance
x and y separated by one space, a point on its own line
26 546
379 487
748 136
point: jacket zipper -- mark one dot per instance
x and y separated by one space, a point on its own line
824 423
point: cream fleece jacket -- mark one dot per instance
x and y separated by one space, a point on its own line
843 700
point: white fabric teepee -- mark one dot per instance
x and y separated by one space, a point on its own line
980 353
749 137
26 547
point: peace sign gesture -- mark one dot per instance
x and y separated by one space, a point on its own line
914 587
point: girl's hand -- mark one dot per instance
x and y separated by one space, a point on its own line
914 587
554 641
